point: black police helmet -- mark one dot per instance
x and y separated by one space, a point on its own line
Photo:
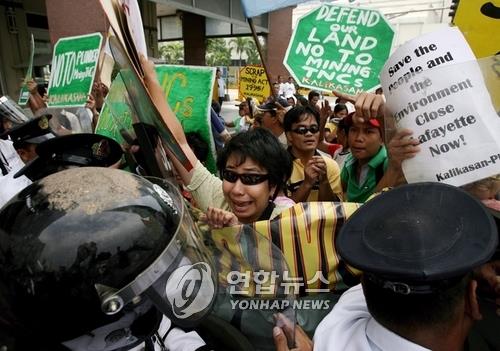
79 248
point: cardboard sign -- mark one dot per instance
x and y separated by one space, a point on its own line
188 90
434 87
339 48
253 83
73 67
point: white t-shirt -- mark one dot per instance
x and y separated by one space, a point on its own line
350 327
288 89
281 91
222 86
10 186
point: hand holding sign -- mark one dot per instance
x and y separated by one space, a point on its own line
32 86
402 147
435 88
368 105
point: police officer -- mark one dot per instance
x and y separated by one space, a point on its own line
27 136
417 246
10 162
96 259
73 150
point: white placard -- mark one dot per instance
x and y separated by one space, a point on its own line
435 88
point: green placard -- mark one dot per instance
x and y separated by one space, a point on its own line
24 95
339 48
116 113
188 90
73 67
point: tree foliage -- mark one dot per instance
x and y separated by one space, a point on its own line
173 52
241 45
252 54
218 53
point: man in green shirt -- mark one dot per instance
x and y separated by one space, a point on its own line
371 167
368 161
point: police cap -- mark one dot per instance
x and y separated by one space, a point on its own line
83 150
34 131
415 238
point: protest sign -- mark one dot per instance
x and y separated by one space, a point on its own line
73 67
339 48
253 83
25 94
435 88
479 21
116 115
188 90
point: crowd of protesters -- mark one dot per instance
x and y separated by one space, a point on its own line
293 149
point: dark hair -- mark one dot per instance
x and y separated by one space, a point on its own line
271 112
263 147
294 115
414 311
302 100
346 123
198 145
312 94
21 144
339 107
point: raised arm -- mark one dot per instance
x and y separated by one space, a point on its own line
401 147
367 105
324 113
35 101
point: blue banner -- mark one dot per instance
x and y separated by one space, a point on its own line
253 8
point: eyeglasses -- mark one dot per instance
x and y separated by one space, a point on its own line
247 179
304 130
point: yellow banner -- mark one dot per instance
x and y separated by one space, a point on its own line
303 236
253 83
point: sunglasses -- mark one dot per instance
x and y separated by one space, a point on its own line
247 179
304 130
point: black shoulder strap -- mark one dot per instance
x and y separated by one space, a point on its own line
3 164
